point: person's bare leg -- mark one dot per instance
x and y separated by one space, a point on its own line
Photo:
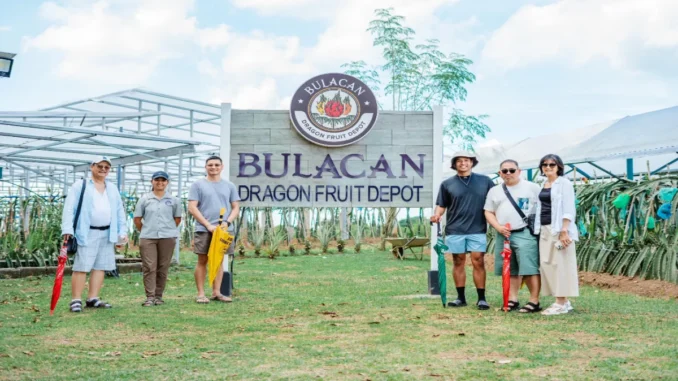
515 287
478 269
78 280
459 272
534 285
200 272
561 300
216 287
96 282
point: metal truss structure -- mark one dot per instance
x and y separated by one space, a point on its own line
141 131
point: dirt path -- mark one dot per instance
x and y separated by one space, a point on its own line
617 283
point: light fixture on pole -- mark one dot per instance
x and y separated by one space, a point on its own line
6 62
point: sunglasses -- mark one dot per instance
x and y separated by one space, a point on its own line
550 165
505 170
160 179
103 167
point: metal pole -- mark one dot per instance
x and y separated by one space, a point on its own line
139 118
433 286
344 223
191 119
629 169
159 119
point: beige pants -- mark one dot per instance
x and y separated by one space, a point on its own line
558 268
156 256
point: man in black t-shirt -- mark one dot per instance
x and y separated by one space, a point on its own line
462 197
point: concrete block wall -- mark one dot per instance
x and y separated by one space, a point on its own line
394 133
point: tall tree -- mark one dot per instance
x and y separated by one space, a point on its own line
421 77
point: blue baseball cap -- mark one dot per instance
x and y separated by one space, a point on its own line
160 174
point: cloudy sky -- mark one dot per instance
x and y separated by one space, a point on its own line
541 65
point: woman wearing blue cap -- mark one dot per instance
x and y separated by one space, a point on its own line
157 216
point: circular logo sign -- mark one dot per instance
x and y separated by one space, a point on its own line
333 110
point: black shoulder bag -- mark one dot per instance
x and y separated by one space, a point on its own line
72 243
529 220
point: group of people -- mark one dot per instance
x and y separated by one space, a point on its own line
95 215
537 221
543 246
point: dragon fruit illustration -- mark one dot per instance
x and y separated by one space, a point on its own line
334 108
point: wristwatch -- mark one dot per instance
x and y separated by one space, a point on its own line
228 223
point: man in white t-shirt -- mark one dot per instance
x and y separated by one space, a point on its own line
524 246
94 214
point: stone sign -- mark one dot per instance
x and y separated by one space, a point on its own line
332 149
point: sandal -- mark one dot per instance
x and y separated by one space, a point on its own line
158 301
530 308
222 298
149 302
513 305
456 303
482 305
202 300
76 305
96 303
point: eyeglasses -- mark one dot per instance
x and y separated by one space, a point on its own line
103 167
550 165
507 170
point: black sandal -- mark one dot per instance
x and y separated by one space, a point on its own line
76 305
456 303
530 308
513 305
96 303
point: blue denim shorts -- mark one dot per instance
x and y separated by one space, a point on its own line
462 244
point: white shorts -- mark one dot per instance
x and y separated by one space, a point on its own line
97 255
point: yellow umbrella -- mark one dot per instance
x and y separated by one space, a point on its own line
221 240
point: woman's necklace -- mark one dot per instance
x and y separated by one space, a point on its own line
465 182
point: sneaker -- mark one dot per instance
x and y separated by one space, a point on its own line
556 309
569 306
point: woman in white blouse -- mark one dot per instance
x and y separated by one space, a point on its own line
557 236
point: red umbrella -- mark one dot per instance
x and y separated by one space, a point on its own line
506 270
56 291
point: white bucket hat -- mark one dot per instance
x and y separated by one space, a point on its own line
466 154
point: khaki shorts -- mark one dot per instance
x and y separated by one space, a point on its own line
201 243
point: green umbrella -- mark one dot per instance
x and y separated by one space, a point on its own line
441 248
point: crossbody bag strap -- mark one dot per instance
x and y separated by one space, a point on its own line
513 202
77 211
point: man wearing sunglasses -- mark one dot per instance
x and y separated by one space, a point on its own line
499 211
101 224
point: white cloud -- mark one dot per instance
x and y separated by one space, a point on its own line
257 53
578 32
214 37
257 57
261 96
99 41
4 28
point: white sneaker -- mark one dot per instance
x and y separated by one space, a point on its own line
556 309
569 306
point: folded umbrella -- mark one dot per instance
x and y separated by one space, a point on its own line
441 248
506 269
221 240
58 280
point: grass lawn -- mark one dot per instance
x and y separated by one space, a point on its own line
338 316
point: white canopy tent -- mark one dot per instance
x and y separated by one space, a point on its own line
606 149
